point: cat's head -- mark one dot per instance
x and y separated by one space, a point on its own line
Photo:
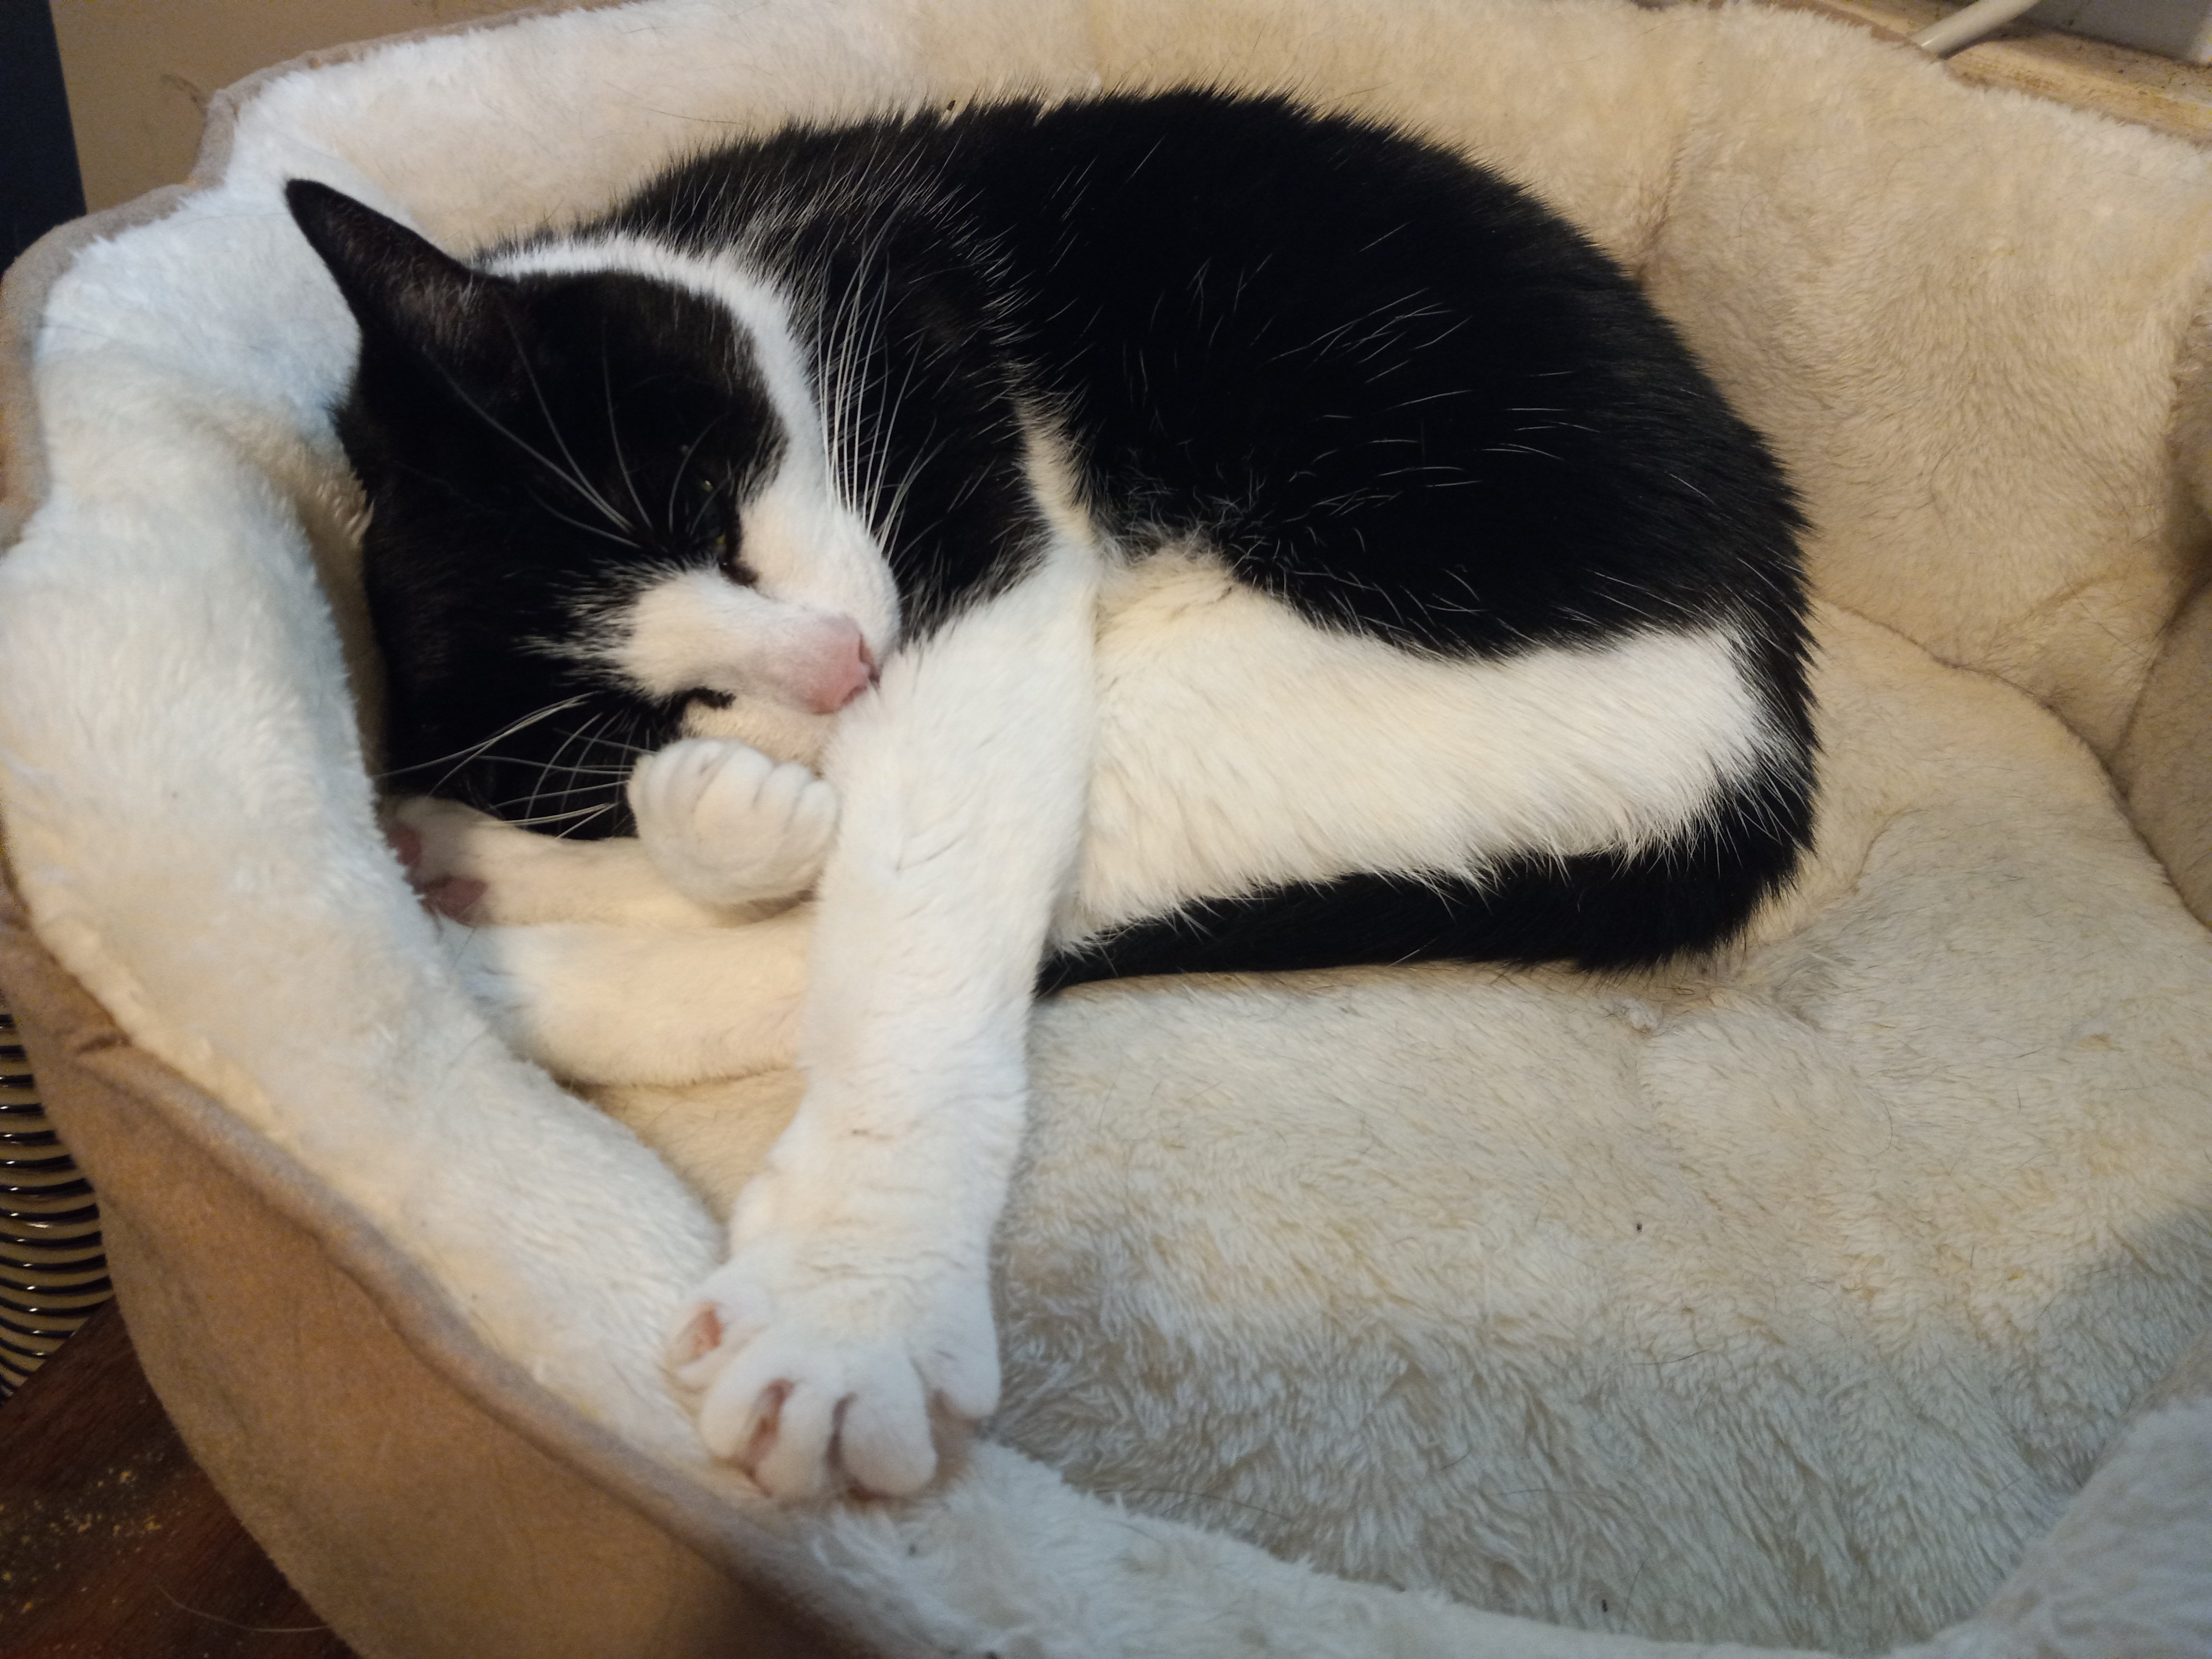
601 515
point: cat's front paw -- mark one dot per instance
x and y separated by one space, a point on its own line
822 1376
726 825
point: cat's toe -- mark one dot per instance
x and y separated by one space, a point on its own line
888 1438
708 1331
698 1338
669 787
784 821
814 818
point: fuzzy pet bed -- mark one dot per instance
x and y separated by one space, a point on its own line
1819 1297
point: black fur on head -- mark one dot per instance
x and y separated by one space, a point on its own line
534 450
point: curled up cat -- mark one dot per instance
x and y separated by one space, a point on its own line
918 563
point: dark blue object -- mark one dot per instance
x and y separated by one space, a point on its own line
39 187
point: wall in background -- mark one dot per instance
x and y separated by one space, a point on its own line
140 72
2178 28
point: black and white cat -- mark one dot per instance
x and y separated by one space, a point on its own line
1139 535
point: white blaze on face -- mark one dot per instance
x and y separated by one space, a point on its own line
802 542
700 631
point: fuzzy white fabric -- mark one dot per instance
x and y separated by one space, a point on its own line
1786 1304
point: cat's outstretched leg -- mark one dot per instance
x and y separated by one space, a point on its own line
614 1005
852 1323
727 826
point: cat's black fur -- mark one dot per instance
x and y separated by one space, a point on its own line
1388 386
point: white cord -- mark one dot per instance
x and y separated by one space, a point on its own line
1963 28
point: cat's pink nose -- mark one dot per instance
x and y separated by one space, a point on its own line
844 669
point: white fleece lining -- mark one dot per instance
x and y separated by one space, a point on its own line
1643 1306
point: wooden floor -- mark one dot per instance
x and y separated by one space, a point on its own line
112 1544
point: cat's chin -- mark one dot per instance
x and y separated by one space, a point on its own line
776 729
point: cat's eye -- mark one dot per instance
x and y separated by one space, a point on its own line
729 545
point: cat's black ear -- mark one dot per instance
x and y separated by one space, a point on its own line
404 292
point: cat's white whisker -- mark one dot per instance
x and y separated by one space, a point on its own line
574 817
571 770
614 437
462 757
589 529
552 764
574 473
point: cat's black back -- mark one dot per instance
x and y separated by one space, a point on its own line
1392 387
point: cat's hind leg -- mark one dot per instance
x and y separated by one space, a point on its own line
723 835
470 864
613 1005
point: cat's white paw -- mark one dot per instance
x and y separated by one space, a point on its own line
822 1371
727 825
453 853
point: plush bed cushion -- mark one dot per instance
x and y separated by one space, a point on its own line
1783 1302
